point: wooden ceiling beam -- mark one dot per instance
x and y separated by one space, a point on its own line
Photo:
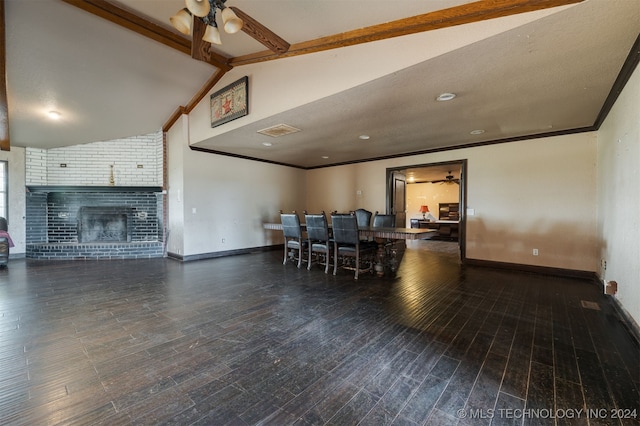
458 15
262 34
135 23
204 91
5 144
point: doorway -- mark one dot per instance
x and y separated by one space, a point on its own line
438 187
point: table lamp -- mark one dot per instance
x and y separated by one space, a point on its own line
424 210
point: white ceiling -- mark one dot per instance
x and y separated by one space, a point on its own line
550 75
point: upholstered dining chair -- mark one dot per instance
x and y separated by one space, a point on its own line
293 238
363 217
320 242
348 247
385 221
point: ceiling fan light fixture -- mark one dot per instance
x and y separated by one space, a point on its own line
231 23
181 21
212 35
199 8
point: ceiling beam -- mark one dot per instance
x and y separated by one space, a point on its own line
458 15
262 34
204 90
5 144
133 22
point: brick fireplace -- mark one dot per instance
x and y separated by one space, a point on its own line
94 222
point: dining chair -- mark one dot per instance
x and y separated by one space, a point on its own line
293 238
385 221
320 242
363 217
348 247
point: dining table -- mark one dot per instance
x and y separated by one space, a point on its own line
380 234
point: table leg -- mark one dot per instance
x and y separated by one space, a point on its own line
380 258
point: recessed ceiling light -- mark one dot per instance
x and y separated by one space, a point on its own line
325 157
445 97
267 143
477 132
364 137
54 115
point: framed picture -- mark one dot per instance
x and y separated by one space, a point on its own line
230 102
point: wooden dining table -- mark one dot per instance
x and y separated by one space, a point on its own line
377 232
380 234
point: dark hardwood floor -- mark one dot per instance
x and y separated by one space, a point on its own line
245 340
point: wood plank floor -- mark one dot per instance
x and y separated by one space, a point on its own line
244 340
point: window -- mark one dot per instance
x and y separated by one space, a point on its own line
3 188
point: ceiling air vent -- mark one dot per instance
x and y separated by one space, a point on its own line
278 130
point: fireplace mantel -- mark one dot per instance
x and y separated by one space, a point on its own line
70 188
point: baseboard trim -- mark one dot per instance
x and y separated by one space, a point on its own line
215 254
626 319
545 270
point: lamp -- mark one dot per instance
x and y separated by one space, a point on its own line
205 10
181 21
424 210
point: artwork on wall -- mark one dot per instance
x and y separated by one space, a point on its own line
230 102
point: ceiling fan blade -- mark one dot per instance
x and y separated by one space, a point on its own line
261 33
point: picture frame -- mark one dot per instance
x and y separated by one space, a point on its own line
230 102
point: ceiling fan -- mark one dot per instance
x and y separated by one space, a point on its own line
198 19
448 179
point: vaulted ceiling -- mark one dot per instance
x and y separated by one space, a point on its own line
119 69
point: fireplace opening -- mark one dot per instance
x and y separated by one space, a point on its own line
103 224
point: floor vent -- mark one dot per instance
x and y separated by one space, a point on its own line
590 305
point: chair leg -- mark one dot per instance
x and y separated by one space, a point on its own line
327 260
309 261
286 253
357 264
335 258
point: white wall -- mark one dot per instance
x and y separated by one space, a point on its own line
220 203
530 194
17 199
177 138
618 199
135 161
431 195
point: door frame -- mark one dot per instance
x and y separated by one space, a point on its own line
462 225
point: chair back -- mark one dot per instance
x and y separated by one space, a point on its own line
384 221
291 225
363 217
3 224
345 229
317 227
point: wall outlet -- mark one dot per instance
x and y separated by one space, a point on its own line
535 252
